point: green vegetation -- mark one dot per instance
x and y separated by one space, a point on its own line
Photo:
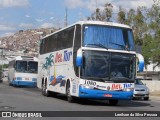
145 23
4 66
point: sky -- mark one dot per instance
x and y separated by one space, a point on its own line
18 15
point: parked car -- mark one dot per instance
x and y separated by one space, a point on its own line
140 90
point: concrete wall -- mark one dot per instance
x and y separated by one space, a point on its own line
153 85
151 66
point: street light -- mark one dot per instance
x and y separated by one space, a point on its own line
1 58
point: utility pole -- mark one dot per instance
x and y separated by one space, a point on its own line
66 18
1 58
96 9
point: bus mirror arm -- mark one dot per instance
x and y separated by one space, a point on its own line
79 58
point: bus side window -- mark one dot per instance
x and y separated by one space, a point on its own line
42 46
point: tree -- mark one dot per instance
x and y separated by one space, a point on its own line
153 16
108 11
104 15
140 26
121 16
147 48
130 17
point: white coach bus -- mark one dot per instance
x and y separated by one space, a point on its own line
23 71
79 61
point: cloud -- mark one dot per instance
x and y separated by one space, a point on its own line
14 3
47 25
128 4
6 28
7 34
51 18
74 3
27 16
39 20
26 25
92 4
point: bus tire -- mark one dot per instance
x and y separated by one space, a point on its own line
54 94
43 88
10 84
70 98
46 92
113 102
146 98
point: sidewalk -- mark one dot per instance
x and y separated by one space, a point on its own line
155 98
155 95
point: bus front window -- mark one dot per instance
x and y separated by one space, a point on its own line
21 66
108 66
95 66
122 67
32 67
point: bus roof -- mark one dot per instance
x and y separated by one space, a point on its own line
92 23
103 23
25 58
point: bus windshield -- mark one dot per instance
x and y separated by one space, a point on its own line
110 37
100 66
26 66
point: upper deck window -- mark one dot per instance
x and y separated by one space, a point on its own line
108 37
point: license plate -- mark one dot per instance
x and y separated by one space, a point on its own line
139 94
107 95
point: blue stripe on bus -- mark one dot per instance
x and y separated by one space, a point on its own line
24 83
100 94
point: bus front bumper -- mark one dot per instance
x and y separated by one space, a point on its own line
24 83
104 94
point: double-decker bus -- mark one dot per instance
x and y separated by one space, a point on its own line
82 61
23 71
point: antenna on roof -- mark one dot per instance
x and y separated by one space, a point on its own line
96 9
66 18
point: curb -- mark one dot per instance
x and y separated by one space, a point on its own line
155 97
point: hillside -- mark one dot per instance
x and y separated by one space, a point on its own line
25 41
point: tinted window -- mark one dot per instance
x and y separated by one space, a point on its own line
57 41
21 66
110 37
32 67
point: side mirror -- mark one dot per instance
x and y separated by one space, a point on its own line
79 58
140 62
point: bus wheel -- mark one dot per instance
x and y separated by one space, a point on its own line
54 94
10 84
113 102
47 93
43 89
70 98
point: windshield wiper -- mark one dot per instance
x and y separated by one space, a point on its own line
97 45
121 79
122 46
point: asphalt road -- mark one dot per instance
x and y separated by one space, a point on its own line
30 99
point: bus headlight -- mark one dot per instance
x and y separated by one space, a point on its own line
19 78
87 87
128 89
34 79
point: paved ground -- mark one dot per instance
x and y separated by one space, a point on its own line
30 99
